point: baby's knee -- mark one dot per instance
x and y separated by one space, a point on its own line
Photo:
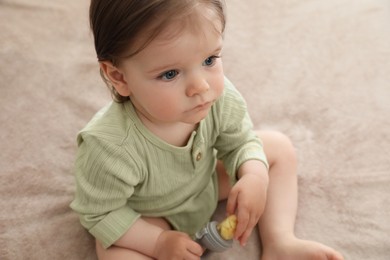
277 146
285 144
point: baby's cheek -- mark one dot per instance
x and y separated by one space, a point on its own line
218 85
220 88
165 109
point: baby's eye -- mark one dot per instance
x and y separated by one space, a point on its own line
210 61
169 75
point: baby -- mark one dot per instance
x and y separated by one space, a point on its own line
152 166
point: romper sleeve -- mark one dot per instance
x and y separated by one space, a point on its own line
105 178
236 141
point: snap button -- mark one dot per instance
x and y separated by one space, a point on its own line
199 156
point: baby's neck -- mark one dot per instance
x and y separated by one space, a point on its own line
177 134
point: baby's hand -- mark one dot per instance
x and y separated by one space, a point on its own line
247 200
172 245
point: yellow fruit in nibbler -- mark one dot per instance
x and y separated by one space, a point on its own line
227 227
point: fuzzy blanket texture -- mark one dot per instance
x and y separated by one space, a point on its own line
319 71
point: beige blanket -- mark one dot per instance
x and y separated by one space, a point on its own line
317 70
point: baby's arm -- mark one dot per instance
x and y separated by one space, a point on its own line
157 242
248 197
243 157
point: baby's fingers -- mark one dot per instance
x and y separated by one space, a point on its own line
242 224
244 238
195 251
248 222
231 204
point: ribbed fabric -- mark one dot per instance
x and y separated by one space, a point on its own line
124 171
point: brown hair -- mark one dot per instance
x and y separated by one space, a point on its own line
117 25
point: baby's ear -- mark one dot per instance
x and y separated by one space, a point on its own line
116 77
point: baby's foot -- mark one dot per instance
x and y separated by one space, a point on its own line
297 249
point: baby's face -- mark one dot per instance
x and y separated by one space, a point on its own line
179 75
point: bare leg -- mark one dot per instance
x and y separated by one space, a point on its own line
120 253
278 220
281 207
276 225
